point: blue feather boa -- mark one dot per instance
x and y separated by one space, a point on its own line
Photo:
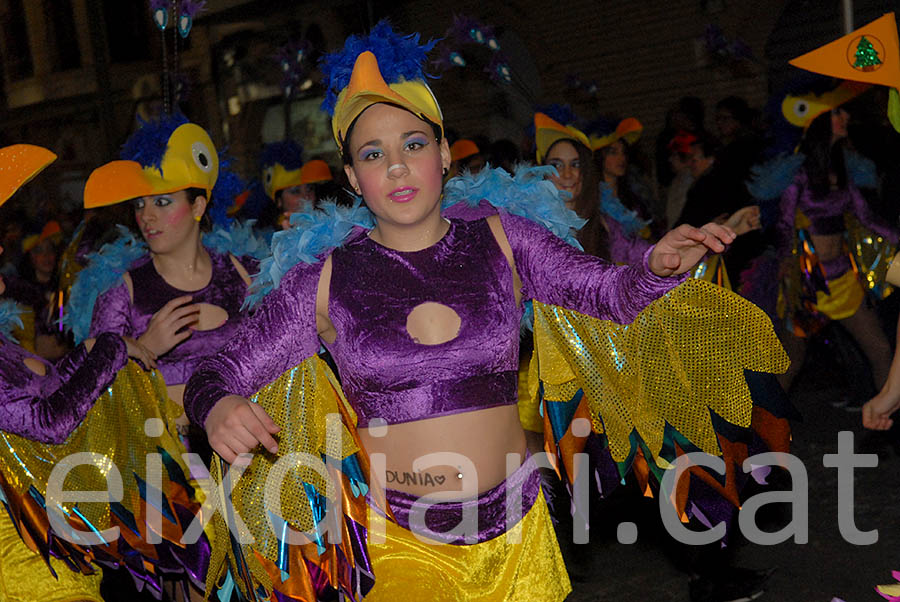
528 193
768 180
10 319
104 270
399 58
312 233
612 207
860 170
315 232
106 267
240 240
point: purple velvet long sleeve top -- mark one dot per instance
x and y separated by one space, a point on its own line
384 372
825 213
115 311
623 248
48 408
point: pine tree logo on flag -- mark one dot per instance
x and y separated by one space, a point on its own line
864 53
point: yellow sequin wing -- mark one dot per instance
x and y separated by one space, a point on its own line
114 432
306 402
681 358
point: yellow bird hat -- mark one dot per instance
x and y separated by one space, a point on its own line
187 158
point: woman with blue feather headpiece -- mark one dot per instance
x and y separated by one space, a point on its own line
49 411
417 291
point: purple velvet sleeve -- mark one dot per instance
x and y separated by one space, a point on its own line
625 249
868 218
51 415
112 312
279 334
554 272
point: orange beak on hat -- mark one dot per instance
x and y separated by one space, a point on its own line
315 171
548 132
462 149
629 130
190 161
19 163
367 87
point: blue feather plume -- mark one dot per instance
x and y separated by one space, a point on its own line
612 207
148 144
286 153
312 233
228 186
768 180
861 170
104 270
10 319
399 58
528 194
240 239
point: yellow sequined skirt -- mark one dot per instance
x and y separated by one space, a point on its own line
24 576
407 568
846 295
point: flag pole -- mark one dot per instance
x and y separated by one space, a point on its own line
848 16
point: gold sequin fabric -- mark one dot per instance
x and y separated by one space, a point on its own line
683 357
304 403
114 432
872 255
524 565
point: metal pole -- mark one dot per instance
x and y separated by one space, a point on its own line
848 16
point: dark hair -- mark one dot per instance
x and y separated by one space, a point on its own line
709 144
692 108
738 108
592 236
822 157
347 156
205 221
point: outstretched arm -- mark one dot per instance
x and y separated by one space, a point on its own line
51 418
553 272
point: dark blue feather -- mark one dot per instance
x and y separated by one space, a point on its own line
286 153
148 144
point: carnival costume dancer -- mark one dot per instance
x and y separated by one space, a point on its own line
178 292
42 408
829 241
421 315
612 231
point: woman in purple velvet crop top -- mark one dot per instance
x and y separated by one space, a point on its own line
45 402
822 190
180 299
421 315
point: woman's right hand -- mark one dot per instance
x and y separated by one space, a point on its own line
236 426
169 326
139 352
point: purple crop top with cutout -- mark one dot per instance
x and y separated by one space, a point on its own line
384 372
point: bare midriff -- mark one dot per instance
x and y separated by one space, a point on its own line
828 246
459 455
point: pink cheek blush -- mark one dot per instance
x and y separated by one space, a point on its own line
177 216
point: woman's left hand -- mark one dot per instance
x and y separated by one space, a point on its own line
682 248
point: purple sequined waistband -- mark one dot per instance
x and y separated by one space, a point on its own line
455 522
